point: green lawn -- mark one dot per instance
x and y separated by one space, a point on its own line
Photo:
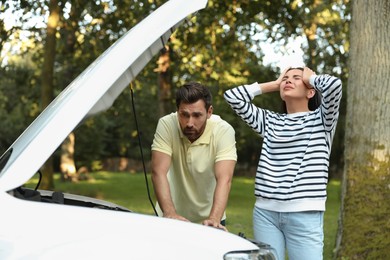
129 190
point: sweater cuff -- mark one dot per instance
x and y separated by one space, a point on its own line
254 89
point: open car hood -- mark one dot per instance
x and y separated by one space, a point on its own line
93 91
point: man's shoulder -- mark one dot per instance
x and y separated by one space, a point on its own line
169 118
167 124
218 122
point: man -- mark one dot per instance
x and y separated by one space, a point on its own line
193 160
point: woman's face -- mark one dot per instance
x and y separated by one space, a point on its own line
293 87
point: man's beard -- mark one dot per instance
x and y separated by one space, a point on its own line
191 134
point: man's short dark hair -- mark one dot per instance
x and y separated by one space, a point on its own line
191 92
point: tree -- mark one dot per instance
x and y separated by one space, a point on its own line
47 80
68 58
68 32
8 8
164 82
364 224
4 33
18 105
18 93
217 47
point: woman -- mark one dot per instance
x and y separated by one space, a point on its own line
292 173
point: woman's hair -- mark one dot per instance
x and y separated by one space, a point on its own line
191 92
314 102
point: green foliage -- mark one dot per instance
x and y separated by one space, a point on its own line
367 211
17 103
219 47
87 152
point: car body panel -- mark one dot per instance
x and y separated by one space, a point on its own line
54 231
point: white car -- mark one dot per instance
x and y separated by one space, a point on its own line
36 224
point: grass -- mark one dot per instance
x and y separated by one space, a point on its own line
129 190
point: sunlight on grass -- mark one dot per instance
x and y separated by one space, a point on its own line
240 205
244 180
331 217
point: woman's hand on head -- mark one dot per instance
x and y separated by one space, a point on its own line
275 85
280 79
307 73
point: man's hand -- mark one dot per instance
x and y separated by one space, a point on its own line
175 216
214 223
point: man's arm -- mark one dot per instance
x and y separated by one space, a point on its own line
160 166
223 174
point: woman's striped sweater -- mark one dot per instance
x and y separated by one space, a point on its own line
292 173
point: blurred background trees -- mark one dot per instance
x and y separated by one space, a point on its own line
222 47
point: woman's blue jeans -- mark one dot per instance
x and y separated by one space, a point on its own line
301 233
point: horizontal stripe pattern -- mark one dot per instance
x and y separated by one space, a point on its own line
294 161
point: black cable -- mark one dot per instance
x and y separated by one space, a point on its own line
24 192
39 180
140 146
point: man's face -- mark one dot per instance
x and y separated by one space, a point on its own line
292 86
193 118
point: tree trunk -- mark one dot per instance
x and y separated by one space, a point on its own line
364 222
164 82
67 164
47 80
